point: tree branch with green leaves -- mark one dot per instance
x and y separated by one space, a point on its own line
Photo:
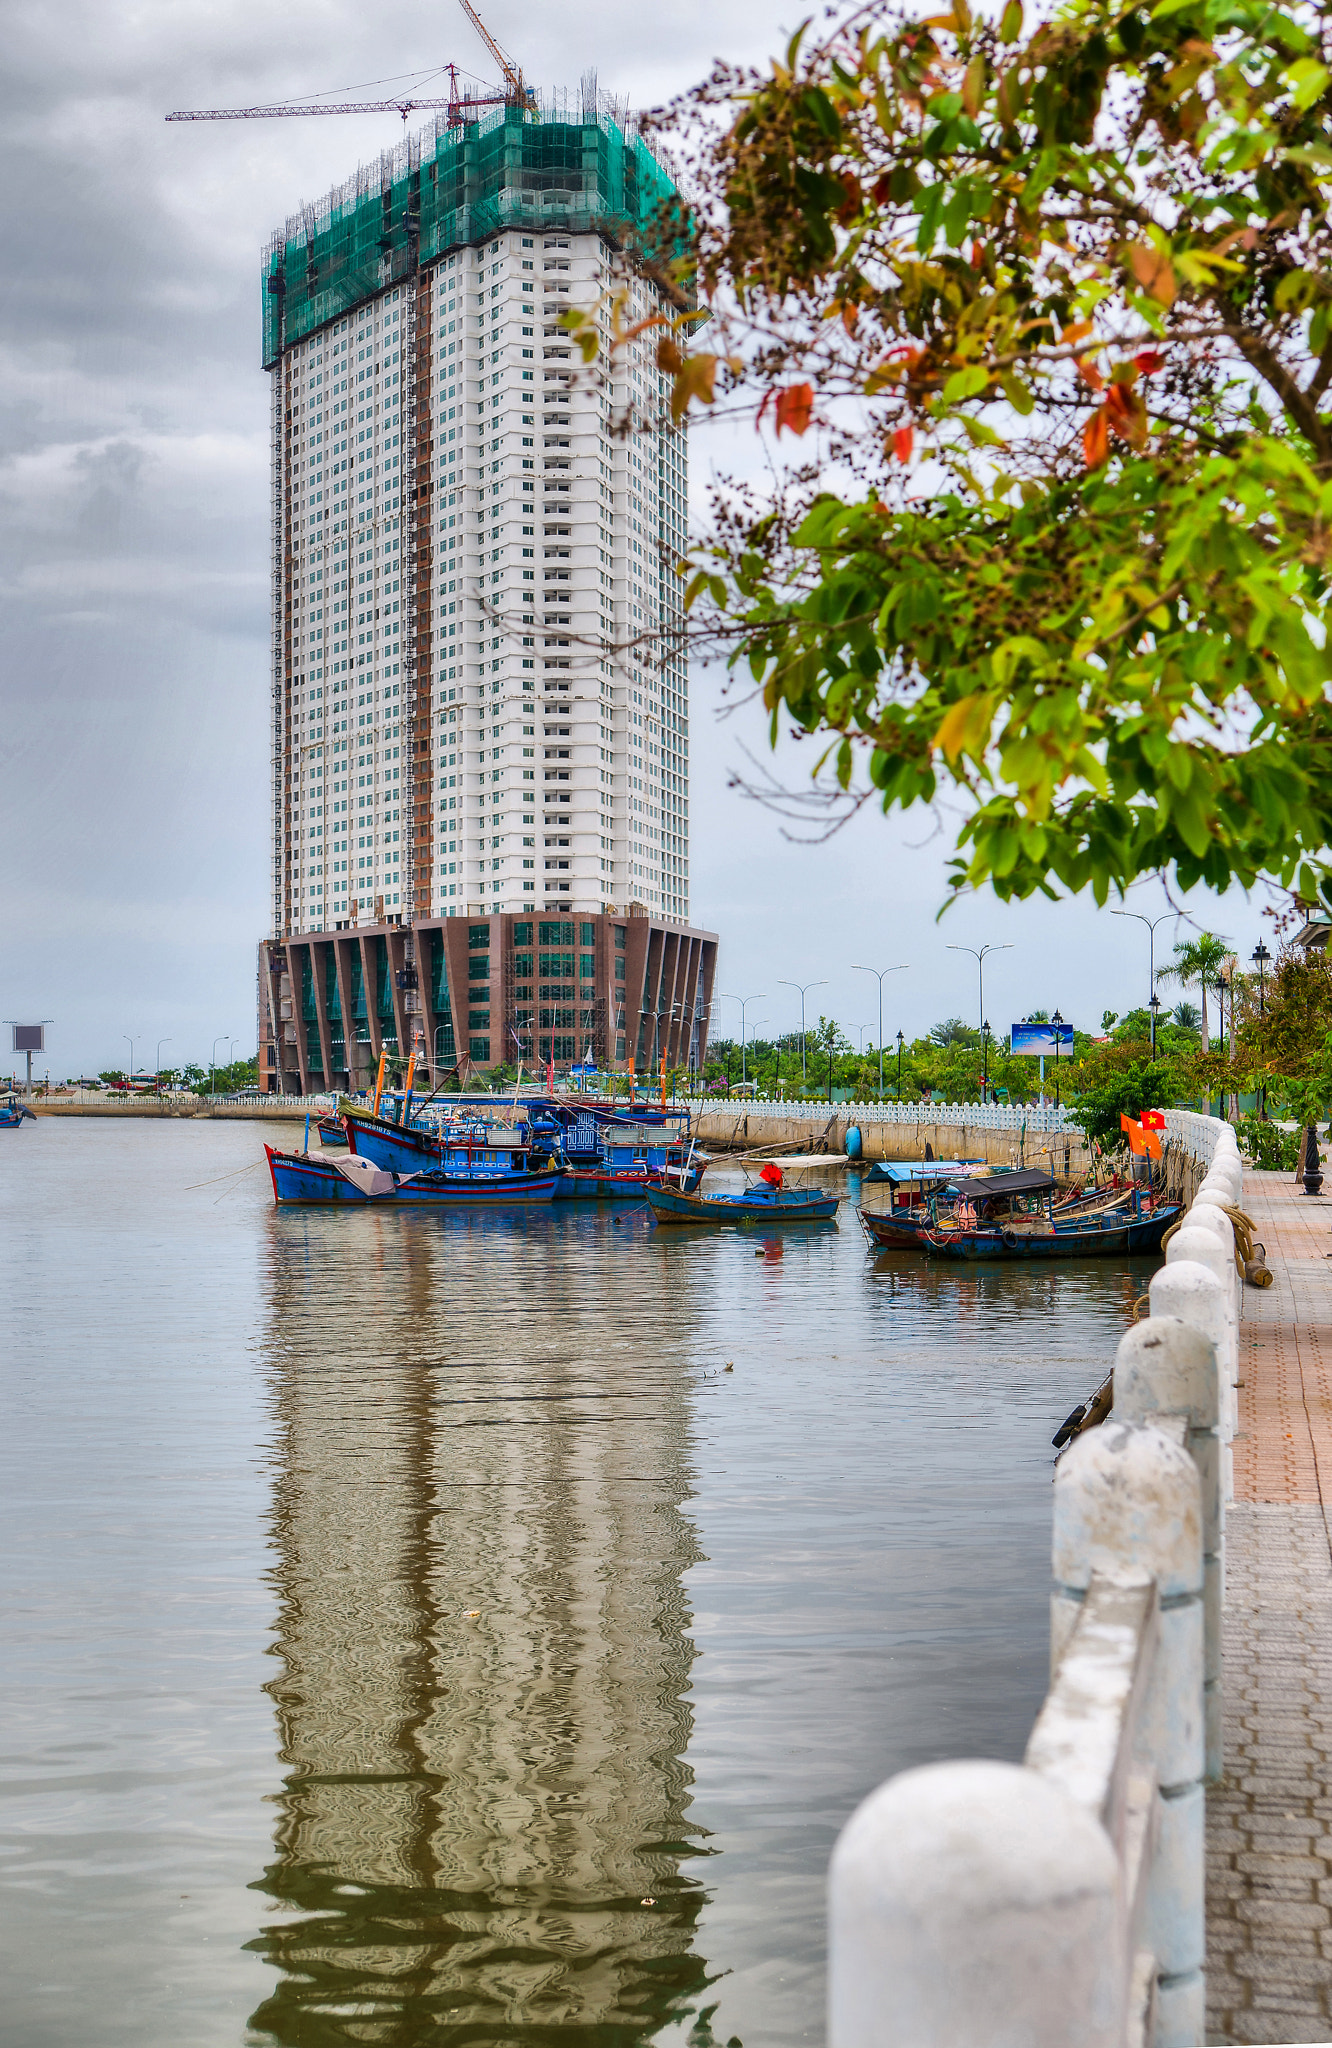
1056 303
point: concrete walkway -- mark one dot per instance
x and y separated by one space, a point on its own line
1269 1826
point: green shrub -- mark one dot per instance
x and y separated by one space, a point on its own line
1267 1146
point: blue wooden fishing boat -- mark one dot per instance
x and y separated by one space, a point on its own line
12 1113
310 1177
599 1157
1113 1234
989 1200
669 1205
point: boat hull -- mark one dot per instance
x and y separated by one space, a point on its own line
668 1206
1129 1237
614 1184
301 1178
895 1232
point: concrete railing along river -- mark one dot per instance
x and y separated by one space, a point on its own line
1061 1903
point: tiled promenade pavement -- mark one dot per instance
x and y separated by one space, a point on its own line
1269 1825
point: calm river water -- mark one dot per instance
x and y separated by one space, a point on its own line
413 1631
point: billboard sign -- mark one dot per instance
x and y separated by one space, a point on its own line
29 1037
1041 1038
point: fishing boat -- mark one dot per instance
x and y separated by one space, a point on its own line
12 1113
1110 1234
598 1157
671 1205
902 1226
309 1177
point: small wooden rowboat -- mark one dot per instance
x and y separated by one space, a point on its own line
668 1205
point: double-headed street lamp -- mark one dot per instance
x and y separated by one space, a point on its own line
223 1038
743 1000
979 957
802 986
879 972
1151 924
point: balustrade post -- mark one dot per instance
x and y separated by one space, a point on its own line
974 1905
1128 1506
1166 1367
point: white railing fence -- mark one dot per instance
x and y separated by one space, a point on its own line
1060 1903
992 1116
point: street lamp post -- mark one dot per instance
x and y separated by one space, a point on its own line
879 972
1261 956
1151 924
223 1038
1058 1022
899 1066
743 1000
1153 1004
985 1060
157 1063
979 958
129 1078
802 986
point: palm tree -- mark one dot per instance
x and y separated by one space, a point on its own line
1196 960
1186 1016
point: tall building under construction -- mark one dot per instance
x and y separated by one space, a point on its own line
480 713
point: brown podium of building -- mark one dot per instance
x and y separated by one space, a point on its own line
622 988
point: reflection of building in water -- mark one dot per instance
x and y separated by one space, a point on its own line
483 1633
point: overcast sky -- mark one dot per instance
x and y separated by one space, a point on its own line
134 552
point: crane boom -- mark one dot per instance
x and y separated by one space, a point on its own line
403 107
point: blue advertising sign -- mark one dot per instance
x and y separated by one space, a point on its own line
1040 1038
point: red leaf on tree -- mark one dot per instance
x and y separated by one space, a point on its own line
850 206
795 408
1096 439
1150 361
903 442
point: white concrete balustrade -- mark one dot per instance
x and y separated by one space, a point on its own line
1060 1904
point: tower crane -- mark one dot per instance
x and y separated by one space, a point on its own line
515 94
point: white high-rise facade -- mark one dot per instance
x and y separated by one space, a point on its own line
480 699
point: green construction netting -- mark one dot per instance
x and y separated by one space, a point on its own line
511 169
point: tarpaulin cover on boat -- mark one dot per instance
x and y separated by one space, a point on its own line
1029 1180
365 1175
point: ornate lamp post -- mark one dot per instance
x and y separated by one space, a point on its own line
1260 957
1153 1004
899 1066
985 1059
1058 1023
